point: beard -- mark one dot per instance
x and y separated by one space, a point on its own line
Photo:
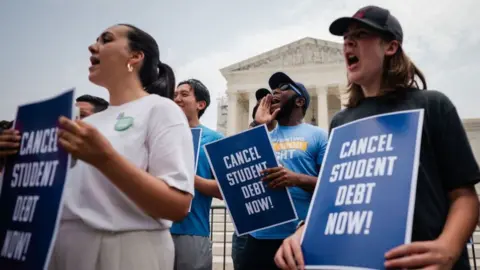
287 108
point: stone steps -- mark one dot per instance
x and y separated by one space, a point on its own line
477 252
476 237
220 218
217 249
218 237
218 227
218 263
221 233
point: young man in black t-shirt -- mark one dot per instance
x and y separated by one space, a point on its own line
382 80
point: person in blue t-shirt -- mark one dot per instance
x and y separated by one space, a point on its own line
191 235
299 148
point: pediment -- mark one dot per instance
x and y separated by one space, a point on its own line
302 52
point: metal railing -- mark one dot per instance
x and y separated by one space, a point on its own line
474 257
220 209
223 210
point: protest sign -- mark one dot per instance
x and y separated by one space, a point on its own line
237 162
197 136
365 196
33 184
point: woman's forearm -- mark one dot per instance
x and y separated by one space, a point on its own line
151 194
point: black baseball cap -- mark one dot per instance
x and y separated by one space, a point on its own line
262 92
279 78
374 17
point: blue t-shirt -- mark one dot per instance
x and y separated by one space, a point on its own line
197 221
300 149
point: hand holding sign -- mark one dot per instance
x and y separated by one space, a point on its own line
426 255
83 141
280 177
33 183
370 168
237 163
9 142
289 255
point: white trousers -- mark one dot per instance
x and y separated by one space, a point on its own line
79 247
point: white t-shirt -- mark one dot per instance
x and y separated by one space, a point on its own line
159 141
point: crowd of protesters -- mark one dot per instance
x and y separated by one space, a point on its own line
134 200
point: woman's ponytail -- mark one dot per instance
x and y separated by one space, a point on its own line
165 84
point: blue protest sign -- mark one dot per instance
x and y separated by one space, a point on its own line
33 184
236 162
196 135
365 197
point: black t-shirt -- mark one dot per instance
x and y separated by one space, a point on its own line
446 158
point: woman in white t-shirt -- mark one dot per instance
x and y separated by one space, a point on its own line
134 170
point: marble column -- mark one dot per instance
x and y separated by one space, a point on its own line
232 113
252 101
322 107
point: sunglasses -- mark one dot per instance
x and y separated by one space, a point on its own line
288 86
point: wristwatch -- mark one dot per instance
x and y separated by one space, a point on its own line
300 224
254 123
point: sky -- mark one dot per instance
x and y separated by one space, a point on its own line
44 43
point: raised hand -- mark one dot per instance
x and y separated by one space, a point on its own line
264 114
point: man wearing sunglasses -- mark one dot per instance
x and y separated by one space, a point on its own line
300 148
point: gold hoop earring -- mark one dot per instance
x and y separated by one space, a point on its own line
129 67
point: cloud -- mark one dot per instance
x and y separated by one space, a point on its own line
433 37
442 38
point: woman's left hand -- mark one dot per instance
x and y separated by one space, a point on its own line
83 141
431 255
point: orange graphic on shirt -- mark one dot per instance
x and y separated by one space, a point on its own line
297 145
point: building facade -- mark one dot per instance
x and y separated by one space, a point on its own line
318 64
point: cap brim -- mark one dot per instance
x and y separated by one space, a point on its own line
262 92
340 26
279 78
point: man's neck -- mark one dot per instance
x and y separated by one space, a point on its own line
271 126
194 122
294 119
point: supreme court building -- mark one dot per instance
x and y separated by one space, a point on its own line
318 64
